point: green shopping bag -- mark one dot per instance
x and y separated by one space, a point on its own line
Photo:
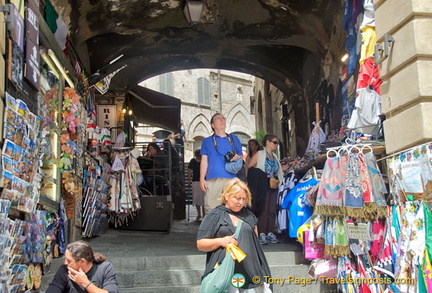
219 280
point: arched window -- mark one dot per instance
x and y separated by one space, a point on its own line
203 91
243 137
166 84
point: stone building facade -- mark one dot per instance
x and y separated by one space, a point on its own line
406 92
203 93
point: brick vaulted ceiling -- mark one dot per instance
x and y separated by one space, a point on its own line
270 39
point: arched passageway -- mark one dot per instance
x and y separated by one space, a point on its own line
285 43
293 46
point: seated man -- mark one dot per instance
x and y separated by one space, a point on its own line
84 271
155 169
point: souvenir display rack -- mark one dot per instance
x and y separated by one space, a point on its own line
123 177
381 241
95 201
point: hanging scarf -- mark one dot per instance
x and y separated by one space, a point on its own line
330 190
384 261
336 238
408 260
378 230
354 195
370 207
377 184
426 269
395 218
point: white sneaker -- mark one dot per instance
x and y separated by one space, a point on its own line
263 239
272 238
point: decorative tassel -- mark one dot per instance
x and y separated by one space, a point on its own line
355 212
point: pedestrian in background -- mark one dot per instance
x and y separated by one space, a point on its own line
194 182
253 147
267 161
217 150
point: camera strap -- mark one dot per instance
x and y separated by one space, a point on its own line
230 140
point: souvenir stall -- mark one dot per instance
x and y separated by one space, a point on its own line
363 238
410 217
23 247
345 236
23 227
33 136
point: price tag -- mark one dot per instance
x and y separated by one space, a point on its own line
358 231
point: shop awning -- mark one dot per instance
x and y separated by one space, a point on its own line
154 108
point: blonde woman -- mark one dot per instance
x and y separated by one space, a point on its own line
217 231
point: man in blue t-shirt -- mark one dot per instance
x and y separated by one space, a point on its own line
213 176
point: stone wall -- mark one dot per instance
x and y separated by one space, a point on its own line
406 92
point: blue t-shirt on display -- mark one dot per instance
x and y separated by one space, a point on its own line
215 159
299 209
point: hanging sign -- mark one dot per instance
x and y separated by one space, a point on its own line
106 116
358 231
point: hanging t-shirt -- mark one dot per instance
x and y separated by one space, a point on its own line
365 117
299 209
289 182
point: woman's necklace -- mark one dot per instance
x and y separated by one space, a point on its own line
269 155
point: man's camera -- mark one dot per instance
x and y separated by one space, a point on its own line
229 155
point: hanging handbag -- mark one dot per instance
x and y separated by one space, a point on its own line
312 249
274 183
219 279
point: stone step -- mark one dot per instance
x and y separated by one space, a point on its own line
153 278
152 274
193 261
184 269
163 289
319 288
190 278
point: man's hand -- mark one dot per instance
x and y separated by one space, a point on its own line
203 185
78 277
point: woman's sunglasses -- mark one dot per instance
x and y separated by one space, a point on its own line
275 142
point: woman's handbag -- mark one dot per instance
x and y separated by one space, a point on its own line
219 279
274 183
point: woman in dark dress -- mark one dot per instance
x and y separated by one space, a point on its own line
217 231
194 183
